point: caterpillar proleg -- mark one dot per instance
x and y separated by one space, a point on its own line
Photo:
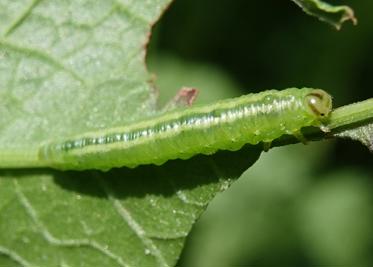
181 134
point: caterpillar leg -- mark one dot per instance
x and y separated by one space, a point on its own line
325 129
184 98
266 146
298 134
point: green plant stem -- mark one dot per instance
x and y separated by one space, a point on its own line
17 159
343 118
350 115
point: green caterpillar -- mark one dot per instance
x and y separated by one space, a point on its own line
181 134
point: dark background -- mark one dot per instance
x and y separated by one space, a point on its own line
259 45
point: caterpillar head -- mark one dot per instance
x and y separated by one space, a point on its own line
319 103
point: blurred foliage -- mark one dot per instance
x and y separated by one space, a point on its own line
173 74
299 205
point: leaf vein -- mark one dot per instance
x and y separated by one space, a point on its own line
23 15
122 7
41 55
58 242
14 256
126 216
183 198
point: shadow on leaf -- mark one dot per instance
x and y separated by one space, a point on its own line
163 180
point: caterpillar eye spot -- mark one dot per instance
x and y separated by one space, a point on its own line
225 125
319 103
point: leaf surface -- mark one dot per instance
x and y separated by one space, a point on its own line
68 67
363 134
334 15
72 66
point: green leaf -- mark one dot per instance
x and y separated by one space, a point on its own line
123 217
363 134
72 66
68 67
292 210
252 224
327 218
354 121
334 15
173 72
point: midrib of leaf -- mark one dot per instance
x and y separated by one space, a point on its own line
352 121
355 122
138 217
351 114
